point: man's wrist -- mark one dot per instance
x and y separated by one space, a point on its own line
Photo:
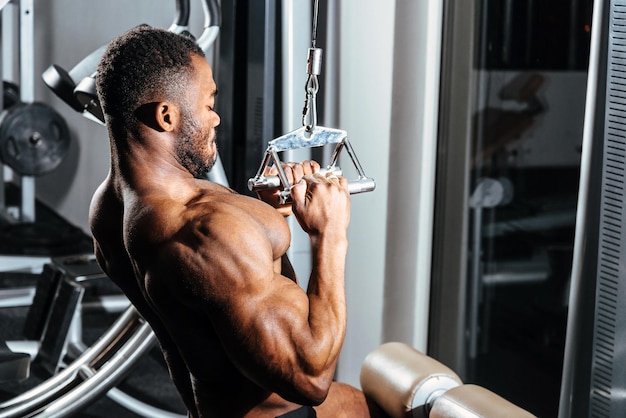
337 238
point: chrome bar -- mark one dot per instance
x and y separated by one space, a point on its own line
273 182
212 22
129 329
27 94
99 381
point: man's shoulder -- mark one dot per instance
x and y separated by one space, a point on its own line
215 238
234 209
209 223
104 209
204 221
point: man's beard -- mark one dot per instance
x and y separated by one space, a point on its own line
193 148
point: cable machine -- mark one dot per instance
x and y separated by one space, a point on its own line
96 370
309 135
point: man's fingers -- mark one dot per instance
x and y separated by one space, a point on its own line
310 167
298 192
298 172
338 180
331 176
294 171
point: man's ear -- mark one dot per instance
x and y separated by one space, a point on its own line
160 116
167 116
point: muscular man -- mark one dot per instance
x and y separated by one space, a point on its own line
206 267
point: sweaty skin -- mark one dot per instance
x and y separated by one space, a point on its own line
207 269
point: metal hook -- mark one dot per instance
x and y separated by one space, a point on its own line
309 113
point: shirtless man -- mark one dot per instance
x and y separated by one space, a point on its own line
206 267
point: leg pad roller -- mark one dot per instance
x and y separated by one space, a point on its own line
403 381
408 384
471 401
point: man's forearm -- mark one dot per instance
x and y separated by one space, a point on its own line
326 291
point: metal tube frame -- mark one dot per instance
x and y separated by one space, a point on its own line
27 94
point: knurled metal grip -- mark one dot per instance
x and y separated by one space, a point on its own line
302 138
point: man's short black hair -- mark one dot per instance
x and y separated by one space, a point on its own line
143 65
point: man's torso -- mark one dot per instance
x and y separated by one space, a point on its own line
129 261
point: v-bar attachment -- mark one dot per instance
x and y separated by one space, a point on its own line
305 138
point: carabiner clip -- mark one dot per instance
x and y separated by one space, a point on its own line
309 113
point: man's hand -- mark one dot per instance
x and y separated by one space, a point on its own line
294 173
321 204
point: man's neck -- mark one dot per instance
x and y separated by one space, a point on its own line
148 166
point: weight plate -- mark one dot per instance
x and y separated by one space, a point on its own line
34 138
